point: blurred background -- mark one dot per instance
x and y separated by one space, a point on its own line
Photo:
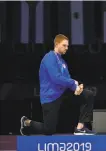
27 31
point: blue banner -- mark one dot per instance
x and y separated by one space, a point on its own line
61 143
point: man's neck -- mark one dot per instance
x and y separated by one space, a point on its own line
56 51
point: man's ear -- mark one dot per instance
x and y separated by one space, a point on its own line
56 44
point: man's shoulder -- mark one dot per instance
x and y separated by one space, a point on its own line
48 55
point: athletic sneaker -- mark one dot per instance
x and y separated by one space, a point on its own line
22 129
83 131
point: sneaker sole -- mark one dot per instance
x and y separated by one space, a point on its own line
21 132
83 134
22 125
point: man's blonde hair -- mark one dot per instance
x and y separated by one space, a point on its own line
59 38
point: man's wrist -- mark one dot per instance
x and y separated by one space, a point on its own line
77 88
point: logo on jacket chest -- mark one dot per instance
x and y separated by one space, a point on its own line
64 66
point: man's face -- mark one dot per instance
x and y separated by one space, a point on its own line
62 47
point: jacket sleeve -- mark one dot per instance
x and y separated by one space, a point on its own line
55 75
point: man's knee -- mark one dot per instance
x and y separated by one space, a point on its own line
88 93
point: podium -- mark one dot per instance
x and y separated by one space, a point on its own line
99 120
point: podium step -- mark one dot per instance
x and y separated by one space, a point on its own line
99 120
